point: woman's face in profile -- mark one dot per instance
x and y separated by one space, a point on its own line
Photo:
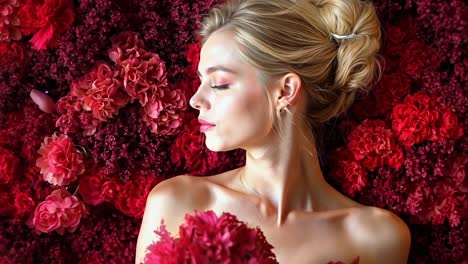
230 97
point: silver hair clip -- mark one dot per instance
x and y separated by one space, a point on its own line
341 37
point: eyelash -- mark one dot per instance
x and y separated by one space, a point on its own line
220 87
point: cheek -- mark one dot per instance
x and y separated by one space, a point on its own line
249 111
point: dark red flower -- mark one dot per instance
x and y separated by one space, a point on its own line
414 120
413 58
372 143
23 203
193 57
46 19
8 165
348 172
95 188
448 126
7 208
420 118
11 53
131 196
391 90
189 150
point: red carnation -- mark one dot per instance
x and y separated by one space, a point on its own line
189 150
61 162
372 143
414 120
163 111
131 196
143 72
348 172
448 126
206 238
420 118
193 57
101 92
23 203
46 19
8 165
95 188
60 211
413 58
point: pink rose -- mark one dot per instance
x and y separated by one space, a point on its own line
61 163
60 211
8 165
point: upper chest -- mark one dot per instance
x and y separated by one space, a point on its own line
301 237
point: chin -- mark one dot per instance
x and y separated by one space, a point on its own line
217 146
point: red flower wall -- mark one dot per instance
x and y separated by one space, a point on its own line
121 72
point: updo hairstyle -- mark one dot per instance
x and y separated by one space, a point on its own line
303 37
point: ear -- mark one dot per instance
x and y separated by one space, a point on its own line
290 86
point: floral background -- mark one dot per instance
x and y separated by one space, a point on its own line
94 113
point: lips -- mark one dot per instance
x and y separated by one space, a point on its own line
205 125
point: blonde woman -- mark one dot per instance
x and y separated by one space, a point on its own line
271 71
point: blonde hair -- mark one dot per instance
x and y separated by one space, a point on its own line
282 36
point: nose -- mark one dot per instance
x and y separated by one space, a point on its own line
197 101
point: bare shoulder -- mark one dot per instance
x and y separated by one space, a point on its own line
380 233
169 201
181 190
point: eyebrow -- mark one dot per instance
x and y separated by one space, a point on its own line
217 68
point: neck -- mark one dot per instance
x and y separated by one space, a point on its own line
286 176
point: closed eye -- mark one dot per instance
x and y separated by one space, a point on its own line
220 87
